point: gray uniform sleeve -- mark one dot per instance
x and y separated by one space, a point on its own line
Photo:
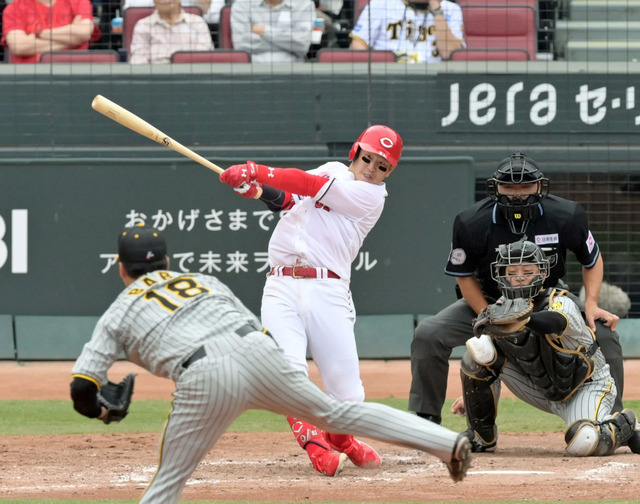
98 355
241 35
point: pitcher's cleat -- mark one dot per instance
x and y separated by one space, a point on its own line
460 458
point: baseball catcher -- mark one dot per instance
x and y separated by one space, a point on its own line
536 341
503 318
109 403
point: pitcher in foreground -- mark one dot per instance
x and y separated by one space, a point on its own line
192 329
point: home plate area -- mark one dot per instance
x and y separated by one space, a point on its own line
271 467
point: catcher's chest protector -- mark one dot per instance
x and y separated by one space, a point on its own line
552 368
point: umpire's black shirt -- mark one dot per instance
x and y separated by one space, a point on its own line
561 225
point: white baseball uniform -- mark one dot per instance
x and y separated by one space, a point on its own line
192 329
325 232
396 26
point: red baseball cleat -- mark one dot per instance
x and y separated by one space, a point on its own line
361 454
328 462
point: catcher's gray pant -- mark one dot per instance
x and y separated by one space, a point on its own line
251 373
436 336
593 400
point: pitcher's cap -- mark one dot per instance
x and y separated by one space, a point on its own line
141 244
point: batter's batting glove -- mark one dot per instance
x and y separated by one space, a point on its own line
237 175
249 190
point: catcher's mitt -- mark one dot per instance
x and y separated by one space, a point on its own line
116 398
503 318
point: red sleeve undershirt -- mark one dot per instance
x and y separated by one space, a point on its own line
292 180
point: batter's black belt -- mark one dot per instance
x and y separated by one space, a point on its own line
201 352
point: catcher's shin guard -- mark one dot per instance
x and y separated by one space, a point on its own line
480 400
586 437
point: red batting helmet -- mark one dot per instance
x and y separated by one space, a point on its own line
380 140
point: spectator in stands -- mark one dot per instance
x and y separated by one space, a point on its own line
212 15
30 27
205 5
421 31
169 29
329 11
272 31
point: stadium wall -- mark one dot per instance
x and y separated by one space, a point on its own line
71 178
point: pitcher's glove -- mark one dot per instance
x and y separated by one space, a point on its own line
503 318
116 398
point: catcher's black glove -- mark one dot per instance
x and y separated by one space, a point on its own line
503 318
116 398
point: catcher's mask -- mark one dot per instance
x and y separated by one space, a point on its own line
380 140
516 254
518 209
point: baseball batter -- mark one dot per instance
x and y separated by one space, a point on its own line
192 329
422 31
552 362
306 301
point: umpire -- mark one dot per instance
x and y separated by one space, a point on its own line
518 206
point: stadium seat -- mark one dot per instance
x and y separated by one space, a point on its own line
134 14
217 56
224 29
80 56
498 32
503 3
358 6
351 56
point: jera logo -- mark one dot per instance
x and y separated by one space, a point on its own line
18 233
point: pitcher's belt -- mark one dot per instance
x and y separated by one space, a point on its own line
201 352
302 272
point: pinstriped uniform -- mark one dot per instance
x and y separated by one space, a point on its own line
162 318
594 399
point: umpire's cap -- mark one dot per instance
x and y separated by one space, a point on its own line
141 245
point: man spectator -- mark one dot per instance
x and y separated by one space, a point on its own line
422 31
169 29
206 6
30 27
272 31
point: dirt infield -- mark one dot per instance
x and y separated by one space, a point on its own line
258 467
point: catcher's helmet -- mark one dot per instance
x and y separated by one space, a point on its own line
518 169
380 140
515 254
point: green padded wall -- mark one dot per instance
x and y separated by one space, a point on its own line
629 332
7 348
384 336
52 337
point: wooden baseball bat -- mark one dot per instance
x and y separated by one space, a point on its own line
129 120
